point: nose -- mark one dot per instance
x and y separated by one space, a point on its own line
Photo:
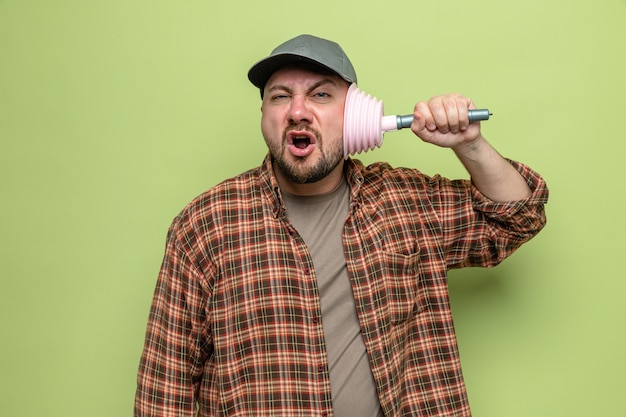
299 111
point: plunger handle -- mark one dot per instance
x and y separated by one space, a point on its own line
475 115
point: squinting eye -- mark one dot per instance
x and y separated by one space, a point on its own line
280 97
321 97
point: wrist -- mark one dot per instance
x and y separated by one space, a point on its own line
470 150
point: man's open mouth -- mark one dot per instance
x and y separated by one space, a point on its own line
300 139
301 142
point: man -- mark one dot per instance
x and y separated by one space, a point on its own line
316 286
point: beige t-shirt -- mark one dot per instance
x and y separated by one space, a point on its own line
319 220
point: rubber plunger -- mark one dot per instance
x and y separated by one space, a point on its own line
364 122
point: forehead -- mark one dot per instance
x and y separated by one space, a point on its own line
297 75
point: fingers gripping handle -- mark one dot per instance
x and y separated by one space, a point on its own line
475 115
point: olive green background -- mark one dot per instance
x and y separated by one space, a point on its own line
114 114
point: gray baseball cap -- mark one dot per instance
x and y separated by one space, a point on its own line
303 48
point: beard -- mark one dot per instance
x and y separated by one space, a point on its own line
299 171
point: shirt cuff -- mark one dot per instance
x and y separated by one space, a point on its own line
538 197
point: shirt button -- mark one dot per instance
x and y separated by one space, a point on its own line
316 319
324 414
320 368
307 271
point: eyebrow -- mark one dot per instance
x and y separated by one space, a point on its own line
312 88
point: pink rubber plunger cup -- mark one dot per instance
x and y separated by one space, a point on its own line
364 122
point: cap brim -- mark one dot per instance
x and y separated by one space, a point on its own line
263 70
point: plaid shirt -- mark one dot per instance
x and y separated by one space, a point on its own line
235 326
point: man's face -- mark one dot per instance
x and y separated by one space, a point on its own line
302 123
